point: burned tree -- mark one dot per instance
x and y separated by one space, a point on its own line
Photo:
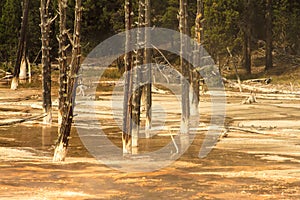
63 64
21 45
68 106
183 15
194 74
127 106
46 64
147 62
137 89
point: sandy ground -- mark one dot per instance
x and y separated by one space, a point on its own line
263 163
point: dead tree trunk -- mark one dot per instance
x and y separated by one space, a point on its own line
247 37
20 52
46 65
67 115
63 64
184 67
269 35
137 93
127 107
194 74
148 56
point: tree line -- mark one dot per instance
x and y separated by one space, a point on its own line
233 24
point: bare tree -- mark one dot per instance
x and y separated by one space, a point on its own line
148 56
269 35
183 15
67 114
194 74
137 93
199 28
21 45
46 64
63 64
127 107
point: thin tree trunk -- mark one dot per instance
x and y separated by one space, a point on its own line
184 68
67 118
15 80
127 107
63 65
137 93
269 35
194 74
247 38
148 56
46 65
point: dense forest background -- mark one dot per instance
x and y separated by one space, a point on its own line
224 22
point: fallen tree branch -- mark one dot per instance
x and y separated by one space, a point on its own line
245 130
24 120
232 84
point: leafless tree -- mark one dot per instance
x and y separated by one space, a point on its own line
183 15
148 56
63 64
46 63
21 45
68 106
127 106
137 93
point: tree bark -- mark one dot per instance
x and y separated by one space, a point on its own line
127 107
21 49
184 67
269 35
46 65
194 74
63 64
137 93
67 118
148 56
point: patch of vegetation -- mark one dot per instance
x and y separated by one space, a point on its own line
111 73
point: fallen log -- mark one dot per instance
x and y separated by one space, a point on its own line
23 120
232 84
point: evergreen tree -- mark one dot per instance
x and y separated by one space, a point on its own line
9 29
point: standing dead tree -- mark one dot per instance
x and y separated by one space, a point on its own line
46 63
147 62
63 64
68 106
269 35
21 45
183 15
194 74
137 89
127 106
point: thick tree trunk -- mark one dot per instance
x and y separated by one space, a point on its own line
269 35
184 68
46 65
63 65
127 107
20 52
137 93
67 115
148 56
